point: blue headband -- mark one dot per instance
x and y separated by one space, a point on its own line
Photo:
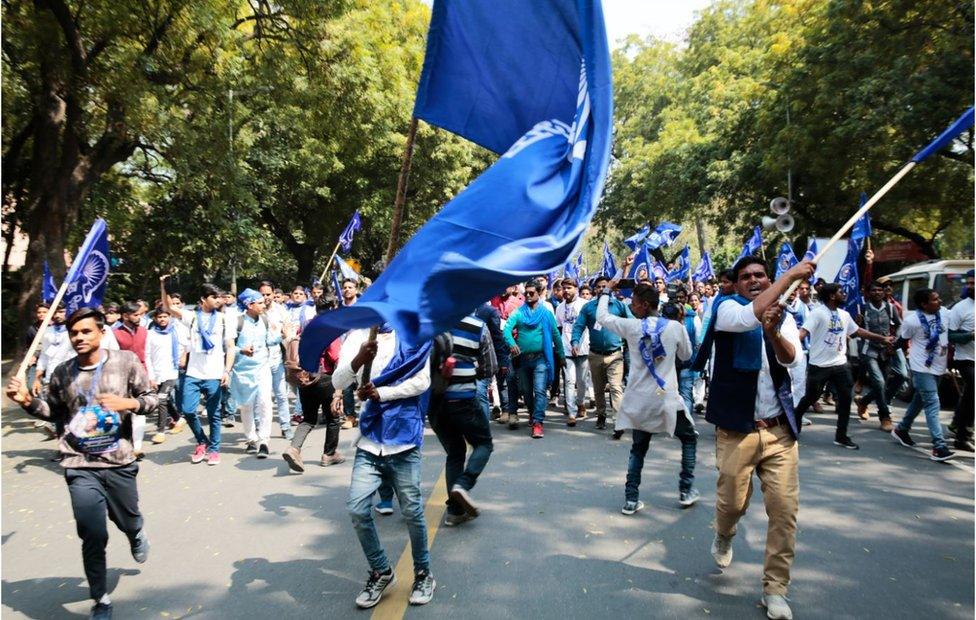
248 297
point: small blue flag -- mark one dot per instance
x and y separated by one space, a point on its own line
752 245
347 271
609 267
704 272
786 260
848 278
659 271
570 271
962 123
642 265
810 254
637 239
336 287
49 290
88 274
663 236
345 239
683 267
862 227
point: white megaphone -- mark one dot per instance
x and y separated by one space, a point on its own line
779 206
783 223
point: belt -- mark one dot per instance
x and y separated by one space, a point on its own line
592 350
771 422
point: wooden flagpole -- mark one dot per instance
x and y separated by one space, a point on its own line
32 349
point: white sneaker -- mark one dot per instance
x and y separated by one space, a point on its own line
776 607
722 550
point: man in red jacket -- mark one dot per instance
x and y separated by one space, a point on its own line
131 335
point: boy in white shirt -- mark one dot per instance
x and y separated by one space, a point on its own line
165 354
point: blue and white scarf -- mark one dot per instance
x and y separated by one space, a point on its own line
932 333
652 349
206 333
174 341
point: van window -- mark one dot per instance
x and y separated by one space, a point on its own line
914 284
949 286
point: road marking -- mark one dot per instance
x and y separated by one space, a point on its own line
394 604
954 461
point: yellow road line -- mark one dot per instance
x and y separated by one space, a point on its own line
395 601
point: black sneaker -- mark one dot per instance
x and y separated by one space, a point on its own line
966 444
617 435
140 547
689 497
375 586
845 442
903 438
263 451
461 497
423 588
630 507
942 454
251 447
101 611
601 422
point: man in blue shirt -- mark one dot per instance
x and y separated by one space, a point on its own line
606 356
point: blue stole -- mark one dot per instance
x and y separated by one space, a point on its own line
404 415
746 346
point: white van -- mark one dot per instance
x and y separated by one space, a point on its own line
947 277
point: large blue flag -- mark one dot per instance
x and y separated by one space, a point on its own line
862 227
961 124
49 290
752 245
529 77
663 236
704 272
683 268
88 274
786 259
643 264
637 239
659 271
848 278
609 266
345 239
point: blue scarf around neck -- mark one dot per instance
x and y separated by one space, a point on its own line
541 317
174 341
932 332
206 333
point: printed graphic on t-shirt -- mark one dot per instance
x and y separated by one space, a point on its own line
95 430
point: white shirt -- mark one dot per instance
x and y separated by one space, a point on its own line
642 407
159 355
202 364
911 330
961 319
736 319
55 349
277 317
565 319
828 335
344 376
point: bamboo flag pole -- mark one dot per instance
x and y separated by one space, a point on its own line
329 262
398 205
39 335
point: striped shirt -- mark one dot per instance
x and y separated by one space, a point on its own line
467 337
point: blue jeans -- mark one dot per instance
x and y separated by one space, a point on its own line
512 385
926 397
280 390
878 370
532 380
685 432
459 423
502 384
210 389
686 386
482 395
402 471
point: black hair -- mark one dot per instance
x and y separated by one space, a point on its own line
86 313
344 280
176 296
647 293
728 274
209 289
41 304
744 262
599 279
586 287
875 284
267 283
922 295
298 286
829 290
325 303
533 285
131 306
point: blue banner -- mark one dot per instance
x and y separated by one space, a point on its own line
786 260
609 266
49 290
753 245
862 227
961 124
637 239
848 278
659 271
88 274
704 272
683 267
663 236
532 78
345 239
571 271
336 287
642 265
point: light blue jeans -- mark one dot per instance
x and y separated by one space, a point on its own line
532 382
279 387
926 398
402 472
484 402
686 386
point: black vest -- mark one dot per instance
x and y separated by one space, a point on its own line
732 393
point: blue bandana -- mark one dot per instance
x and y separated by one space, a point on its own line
248 297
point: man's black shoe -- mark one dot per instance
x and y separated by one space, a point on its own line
903 438
101 611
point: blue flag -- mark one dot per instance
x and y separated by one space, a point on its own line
609 266
786 259
848 278
752 245
570 271
336 287
347 271
683 268
862 227
810 254
88 274
532 78
49 290
637 239
705 271
663 236
659 271
580 266
643 264
961 124
345 239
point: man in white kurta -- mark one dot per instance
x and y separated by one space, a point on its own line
651 402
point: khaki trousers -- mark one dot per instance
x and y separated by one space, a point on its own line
607 370
773 454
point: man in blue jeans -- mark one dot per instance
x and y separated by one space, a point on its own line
539 348
210 359
394 391
927 331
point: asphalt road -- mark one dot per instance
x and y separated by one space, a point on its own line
884 532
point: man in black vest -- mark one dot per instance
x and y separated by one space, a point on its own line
751 405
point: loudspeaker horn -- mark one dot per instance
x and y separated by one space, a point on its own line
785 223
779 206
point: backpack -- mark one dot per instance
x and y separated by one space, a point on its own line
440 376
